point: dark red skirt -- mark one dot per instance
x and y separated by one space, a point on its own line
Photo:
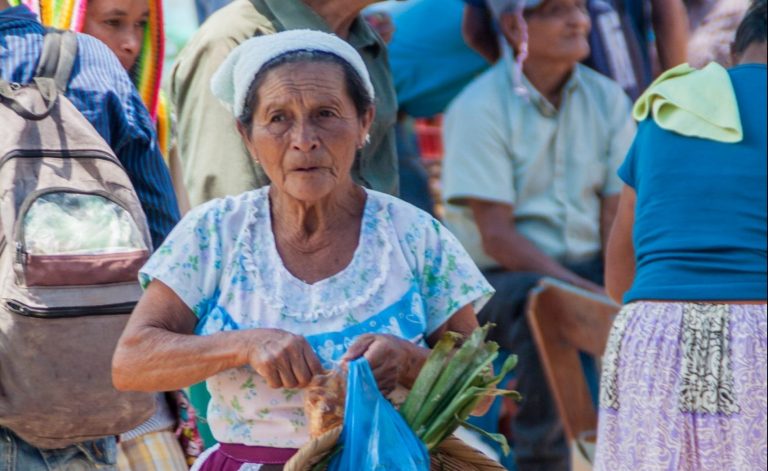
230 457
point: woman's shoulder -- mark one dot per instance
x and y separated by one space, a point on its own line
412 226
399 211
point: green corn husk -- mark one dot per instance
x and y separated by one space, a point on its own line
444 425
449 389
450 419
453 373
508 365
496 437
480 364
428 375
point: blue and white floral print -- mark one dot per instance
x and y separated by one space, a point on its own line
407 277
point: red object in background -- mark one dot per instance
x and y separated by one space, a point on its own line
429 135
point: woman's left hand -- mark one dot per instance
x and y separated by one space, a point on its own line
387 355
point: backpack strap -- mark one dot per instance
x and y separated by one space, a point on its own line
58 57
45 86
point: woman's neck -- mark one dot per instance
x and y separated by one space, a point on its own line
307 226
548 77
339 14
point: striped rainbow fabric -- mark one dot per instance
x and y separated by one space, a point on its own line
146 73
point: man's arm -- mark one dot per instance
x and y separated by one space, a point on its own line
670 25
620 253
502 242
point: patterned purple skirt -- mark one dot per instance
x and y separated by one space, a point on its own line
684 388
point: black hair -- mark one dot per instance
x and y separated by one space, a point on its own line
353 82
752 28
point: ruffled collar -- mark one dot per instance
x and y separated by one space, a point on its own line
334 296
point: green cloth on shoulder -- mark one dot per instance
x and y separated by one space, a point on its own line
692 102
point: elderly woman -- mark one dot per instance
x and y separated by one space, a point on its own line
260 292
215 163
684 380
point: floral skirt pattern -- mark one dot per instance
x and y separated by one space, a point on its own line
684 388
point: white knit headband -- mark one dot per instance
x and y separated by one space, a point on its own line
234 77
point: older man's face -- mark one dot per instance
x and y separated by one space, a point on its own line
558 30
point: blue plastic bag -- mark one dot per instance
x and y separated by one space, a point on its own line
375 435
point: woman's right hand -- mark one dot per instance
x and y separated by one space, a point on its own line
283 359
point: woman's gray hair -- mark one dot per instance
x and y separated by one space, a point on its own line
354 84
233 79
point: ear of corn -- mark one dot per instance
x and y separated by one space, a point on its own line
452 373
449 388
429 374
449 420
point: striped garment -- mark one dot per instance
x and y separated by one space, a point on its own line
102 91
146 74
162 419
154 451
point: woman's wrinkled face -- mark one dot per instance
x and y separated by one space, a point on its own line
306 130
558 31
120 25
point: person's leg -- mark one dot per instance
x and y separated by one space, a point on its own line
539 442
18 455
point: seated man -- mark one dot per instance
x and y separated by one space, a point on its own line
530 185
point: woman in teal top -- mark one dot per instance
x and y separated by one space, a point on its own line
684 379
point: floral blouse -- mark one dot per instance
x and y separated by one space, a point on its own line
407 277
